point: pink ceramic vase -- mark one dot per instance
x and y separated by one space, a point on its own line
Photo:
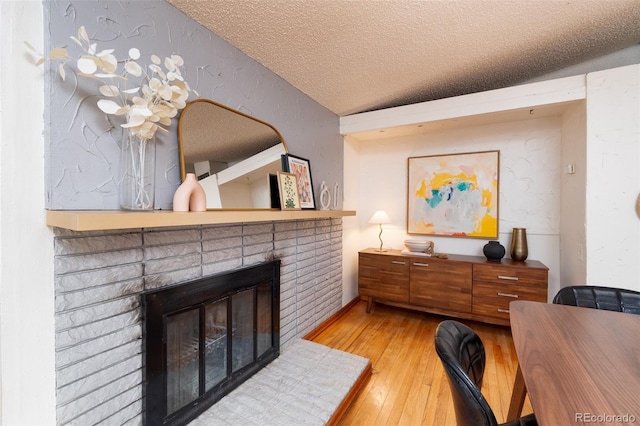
190 196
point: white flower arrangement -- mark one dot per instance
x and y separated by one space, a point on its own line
148 107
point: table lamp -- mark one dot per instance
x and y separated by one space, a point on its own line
379 218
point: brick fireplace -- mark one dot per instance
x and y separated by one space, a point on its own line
99 277
204 338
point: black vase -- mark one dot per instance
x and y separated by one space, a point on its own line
494 251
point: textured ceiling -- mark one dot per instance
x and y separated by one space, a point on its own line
359 55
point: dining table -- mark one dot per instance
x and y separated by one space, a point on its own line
578 365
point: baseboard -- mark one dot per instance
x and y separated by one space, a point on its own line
333 318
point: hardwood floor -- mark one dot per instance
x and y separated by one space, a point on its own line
408 385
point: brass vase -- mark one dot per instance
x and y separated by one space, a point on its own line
519 250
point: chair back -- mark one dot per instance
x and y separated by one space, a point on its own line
462 354
596 297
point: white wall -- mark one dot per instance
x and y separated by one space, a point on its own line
573 201
27 379
530 190
351 228
613 177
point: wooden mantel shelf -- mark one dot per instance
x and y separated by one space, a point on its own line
96 220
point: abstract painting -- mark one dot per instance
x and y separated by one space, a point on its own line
454 195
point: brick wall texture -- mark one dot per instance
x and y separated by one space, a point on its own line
99 278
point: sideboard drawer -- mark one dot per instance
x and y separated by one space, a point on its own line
508 291
493 299
494 308
500 274
372 265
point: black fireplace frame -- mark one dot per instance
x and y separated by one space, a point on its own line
158 304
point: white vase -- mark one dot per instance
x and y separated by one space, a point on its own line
190 196
137 173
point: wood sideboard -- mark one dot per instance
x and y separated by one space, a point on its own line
469 287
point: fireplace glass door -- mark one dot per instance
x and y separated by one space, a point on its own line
203 339
215 352
183 359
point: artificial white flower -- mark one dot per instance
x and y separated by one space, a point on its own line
150 105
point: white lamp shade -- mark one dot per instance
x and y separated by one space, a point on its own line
380 217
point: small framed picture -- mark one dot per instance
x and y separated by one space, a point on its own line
301 168
288 189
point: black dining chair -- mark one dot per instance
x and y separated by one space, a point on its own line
462 354
597 297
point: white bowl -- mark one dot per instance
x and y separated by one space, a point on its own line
417 245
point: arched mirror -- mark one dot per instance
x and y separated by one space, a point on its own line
231 153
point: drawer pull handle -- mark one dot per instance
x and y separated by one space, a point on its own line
398 262
503 311
420 264
515 296
506 277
